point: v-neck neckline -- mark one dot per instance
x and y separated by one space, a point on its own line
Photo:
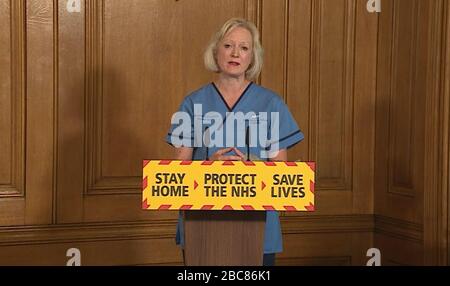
239 99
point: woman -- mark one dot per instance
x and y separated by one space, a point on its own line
235 54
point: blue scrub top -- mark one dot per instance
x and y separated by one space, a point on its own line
255 99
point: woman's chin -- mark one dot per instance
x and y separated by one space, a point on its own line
233 74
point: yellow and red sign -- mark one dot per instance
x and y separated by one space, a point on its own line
228 185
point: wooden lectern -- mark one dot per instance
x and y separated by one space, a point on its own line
224 238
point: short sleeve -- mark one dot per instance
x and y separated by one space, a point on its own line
181 131
284 131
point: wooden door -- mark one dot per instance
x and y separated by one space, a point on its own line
27 119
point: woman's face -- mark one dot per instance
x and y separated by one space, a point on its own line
235 52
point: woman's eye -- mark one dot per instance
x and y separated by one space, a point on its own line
245 48
227 46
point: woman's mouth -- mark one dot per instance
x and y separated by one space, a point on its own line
234 63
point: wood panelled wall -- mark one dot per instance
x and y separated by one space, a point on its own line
86 96
410 201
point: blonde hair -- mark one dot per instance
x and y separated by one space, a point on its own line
255 66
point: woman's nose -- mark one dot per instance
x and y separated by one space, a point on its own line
235 52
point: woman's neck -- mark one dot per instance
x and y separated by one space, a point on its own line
230 86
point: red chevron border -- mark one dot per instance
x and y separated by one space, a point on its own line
310 208
312 165
145 205
144 183
164 207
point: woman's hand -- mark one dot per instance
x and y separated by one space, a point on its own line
220 155
280 155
